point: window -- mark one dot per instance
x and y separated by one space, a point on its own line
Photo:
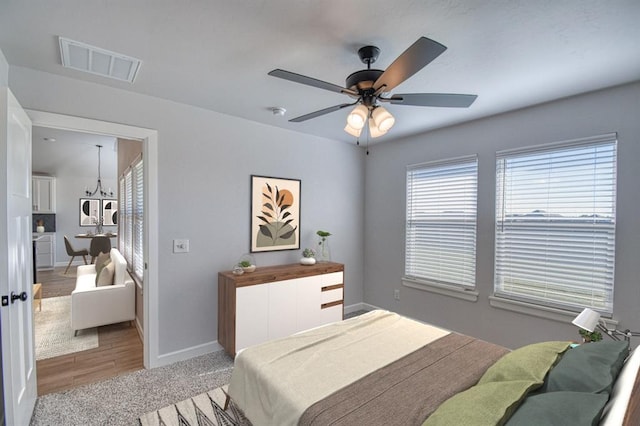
555 224
441 222
131 231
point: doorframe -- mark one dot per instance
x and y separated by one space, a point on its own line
149 138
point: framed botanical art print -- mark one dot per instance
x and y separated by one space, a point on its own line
89 211
110 212
275 214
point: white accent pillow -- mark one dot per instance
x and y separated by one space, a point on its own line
105 277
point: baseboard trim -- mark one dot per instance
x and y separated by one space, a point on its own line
359 307
187 353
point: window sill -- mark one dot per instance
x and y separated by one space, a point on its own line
546 312
444 289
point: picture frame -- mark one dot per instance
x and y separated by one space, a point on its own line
110 212
275 213
89 211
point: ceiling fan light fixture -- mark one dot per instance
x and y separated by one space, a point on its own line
375 131
383 119
352 131
358 117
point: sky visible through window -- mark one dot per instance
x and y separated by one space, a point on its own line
569 183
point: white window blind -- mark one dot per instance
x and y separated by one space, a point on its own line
131 233
138 219
121 213
555 224
128 212
440 244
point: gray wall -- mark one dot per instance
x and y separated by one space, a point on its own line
4 70
613 110
205 160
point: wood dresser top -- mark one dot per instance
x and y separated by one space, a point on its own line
267 274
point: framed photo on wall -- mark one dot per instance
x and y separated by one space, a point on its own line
275 213
110 212
89 211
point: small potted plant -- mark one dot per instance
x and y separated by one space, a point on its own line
247 266
308 257
247 263
590 336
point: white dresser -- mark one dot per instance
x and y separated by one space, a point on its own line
277 301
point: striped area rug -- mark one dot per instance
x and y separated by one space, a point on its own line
205 409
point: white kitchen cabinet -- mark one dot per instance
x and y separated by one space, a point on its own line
43 194
277 301
45 251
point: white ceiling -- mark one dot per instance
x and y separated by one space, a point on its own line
216 54
73 154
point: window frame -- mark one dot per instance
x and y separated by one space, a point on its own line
466 287
502 297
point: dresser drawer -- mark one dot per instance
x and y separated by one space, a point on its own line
331 295
332 278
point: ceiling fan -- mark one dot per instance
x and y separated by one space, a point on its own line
370 88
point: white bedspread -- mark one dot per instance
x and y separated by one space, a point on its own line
275 382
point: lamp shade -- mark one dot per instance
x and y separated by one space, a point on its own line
358 117
352 131
374 130
383 119
587 319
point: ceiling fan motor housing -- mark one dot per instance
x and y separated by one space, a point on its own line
363 80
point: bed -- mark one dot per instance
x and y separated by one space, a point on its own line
383 368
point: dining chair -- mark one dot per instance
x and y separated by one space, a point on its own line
73 253
99 245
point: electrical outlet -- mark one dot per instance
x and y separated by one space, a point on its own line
396 294
181 246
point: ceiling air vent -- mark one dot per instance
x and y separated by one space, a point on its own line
83 57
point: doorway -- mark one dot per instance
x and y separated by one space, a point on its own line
66 166
149 140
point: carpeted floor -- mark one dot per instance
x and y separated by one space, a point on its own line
122 400
53 333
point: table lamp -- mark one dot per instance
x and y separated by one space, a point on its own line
589 320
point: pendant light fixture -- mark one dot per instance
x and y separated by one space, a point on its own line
99 188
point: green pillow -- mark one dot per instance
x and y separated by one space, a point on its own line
487 404
560 409
531 362
590 367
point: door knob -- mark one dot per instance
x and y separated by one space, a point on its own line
22 296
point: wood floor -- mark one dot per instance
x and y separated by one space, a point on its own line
119 351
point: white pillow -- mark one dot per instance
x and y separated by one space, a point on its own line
616 408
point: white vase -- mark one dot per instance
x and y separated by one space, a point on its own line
40 229
307 261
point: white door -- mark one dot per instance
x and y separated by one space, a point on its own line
16 262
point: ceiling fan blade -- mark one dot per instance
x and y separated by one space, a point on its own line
449 100
309 81
412 60
319 113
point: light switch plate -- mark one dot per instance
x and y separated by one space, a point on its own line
181 246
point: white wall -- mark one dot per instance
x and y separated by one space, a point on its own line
205 160
613 110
